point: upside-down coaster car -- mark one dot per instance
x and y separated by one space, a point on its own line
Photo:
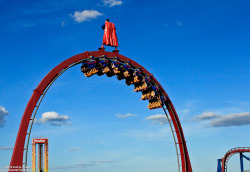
132 75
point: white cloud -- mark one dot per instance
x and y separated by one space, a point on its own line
53 118
6 148
78 166
228 120
158 118
179 23
112 3
85 15
93 163
86 164
3 113
126 115
67 167
205 116
101 161
233 119
105 161
75 149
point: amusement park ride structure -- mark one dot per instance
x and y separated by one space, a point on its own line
109 63
222 163
40 142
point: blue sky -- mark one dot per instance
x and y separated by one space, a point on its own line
198 51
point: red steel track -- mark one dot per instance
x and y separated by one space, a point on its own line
18 152
230 153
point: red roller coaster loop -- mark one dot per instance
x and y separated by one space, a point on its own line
35 100
231 152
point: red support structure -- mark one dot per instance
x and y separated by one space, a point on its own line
17 156
231 152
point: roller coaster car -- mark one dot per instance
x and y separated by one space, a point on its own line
115 64
144 85
89 67
156 88
137 71
138 79
129 80
86 70
84 67
148 79
110 74
137 76
127 70
94 70
103 66
103 63
140 87
88 74
126 73
91 72
91 62
117 67
106 69
119 72
149 94
120 76
155 103
99 73
116 70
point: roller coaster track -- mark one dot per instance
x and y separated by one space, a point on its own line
20 152
229 154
